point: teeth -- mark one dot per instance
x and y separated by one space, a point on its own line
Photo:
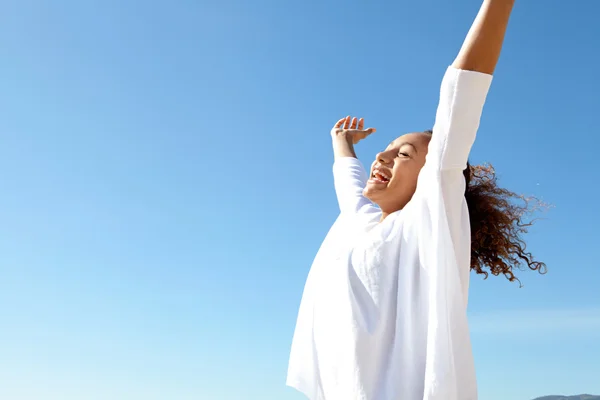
377 174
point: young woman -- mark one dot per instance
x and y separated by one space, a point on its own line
383 314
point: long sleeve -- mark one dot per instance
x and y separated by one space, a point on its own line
350 179
444 237
462 96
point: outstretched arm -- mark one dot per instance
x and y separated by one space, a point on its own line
481 50
350 177
462 96
465 87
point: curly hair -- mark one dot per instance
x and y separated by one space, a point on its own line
498 222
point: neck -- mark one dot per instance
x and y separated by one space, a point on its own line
384 215
387 209
385 212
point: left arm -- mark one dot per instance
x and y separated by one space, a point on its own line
481 50
462 96
465 87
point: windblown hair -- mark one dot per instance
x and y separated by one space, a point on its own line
498 222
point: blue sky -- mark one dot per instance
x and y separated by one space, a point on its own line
166 182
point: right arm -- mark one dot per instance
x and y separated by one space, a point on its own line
349 175
346 133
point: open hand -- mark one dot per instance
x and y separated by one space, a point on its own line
351 128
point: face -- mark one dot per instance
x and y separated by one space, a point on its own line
395 171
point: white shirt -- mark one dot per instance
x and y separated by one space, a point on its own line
383 314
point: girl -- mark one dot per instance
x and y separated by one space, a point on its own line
383 314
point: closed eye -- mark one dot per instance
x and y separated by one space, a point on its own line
403 154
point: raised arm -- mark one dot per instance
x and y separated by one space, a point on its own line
465 87
462 96
350 177
481 50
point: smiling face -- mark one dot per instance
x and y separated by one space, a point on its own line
395 171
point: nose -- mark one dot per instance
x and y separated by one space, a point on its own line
384 157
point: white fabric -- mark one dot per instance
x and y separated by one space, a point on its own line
383 314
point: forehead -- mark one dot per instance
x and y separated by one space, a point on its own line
417 139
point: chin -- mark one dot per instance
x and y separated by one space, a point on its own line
372 194
384 198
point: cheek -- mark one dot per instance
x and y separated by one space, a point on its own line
406 174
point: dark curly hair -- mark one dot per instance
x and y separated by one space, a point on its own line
498 223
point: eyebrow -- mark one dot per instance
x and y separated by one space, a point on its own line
403 143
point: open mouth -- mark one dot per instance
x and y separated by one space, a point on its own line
379 176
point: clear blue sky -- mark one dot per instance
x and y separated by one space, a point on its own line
166 182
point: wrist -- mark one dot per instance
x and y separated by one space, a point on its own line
343 146
343 139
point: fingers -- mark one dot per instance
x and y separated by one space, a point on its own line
351 123
362 133
339 123
347 122
353 126
367 131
